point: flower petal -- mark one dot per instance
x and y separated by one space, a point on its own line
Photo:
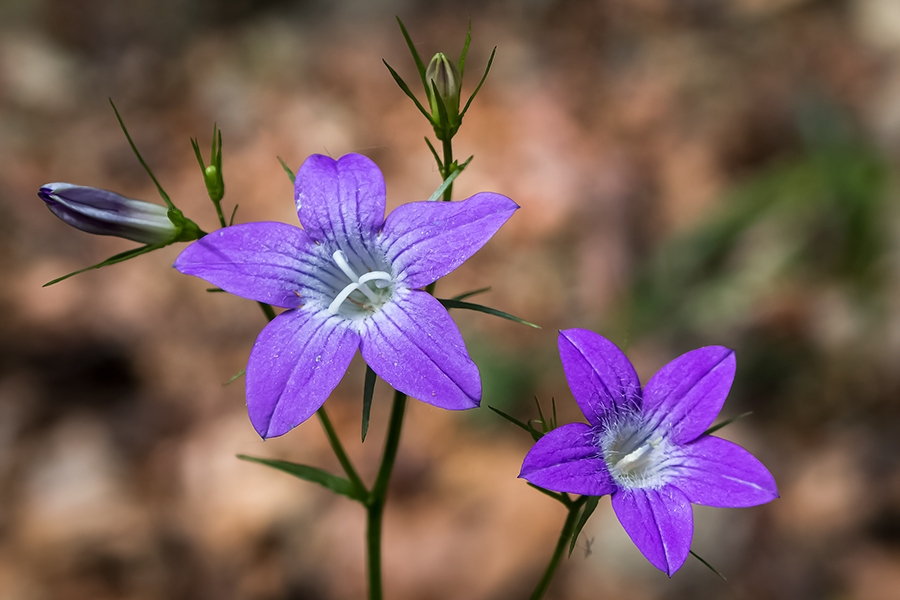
685 396
602 379
340 201
414 345
660 522
426 240
716 472
568 460
296 362
259 261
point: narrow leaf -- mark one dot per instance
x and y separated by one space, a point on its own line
719 426
483 77
449 303
544 427
237 375
134 149
406 89
559 497
535 434
122 256
368 392
449 181
234 212
708 566
324 478
412 49
287 170
196 146
472 293
462 57
435 154
589 508
443 115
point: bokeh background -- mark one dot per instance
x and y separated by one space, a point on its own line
690 172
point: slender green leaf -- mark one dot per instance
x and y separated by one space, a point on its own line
435 154
412 49
121 257
462 57
449 181
234 212
407 91
287 170
368 392
708 566
324 478
535 434
559 497
443 116
555 422
589 506
544 427
480 83
719 426
140 158
472 293
214 290
196 146
235 377
449 303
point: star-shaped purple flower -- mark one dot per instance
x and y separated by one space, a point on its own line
350 280
647 448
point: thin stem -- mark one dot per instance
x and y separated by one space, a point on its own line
375 505
564 537
267 310
448 160
222 221
342 457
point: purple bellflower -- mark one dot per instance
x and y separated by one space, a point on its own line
349 279
646 447
106 213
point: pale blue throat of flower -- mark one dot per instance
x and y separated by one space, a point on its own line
370 298
637 455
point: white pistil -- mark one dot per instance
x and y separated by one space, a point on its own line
381 279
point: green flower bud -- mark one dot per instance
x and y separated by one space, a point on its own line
443 74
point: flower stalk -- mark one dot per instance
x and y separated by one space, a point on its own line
568 530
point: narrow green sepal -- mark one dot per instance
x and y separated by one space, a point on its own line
233 213
408 92
287 170
558 496
535 434
140 158
589 506
368 392
719 426
334 483
448 303
121 257
707 565
412 49
235 377
465 50
456 170
465 295
480 83
434 153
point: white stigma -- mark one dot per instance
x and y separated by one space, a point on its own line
381 278
635 456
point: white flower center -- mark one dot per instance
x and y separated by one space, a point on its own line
374 287
636 457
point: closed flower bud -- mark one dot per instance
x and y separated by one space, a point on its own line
106 213
443 74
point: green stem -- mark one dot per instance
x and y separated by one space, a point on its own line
375 504
222 221
448 160
342 457
567 531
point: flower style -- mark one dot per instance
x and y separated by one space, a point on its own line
106 213
349 279
646 447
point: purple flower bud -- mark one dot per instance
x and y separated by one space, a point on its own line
106 213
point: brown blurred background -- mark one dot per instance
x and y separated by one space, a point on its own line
690 172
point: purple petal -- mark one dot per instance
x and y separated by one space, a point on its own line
414 345
296 362
685 396
426 240
568 460
660 522
600 376
259 261
716 472
340 201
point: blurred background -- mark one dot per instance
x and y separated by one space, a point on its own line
690 172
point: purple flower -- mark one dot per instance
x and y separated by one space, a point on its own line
647 448
106 213
350 280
